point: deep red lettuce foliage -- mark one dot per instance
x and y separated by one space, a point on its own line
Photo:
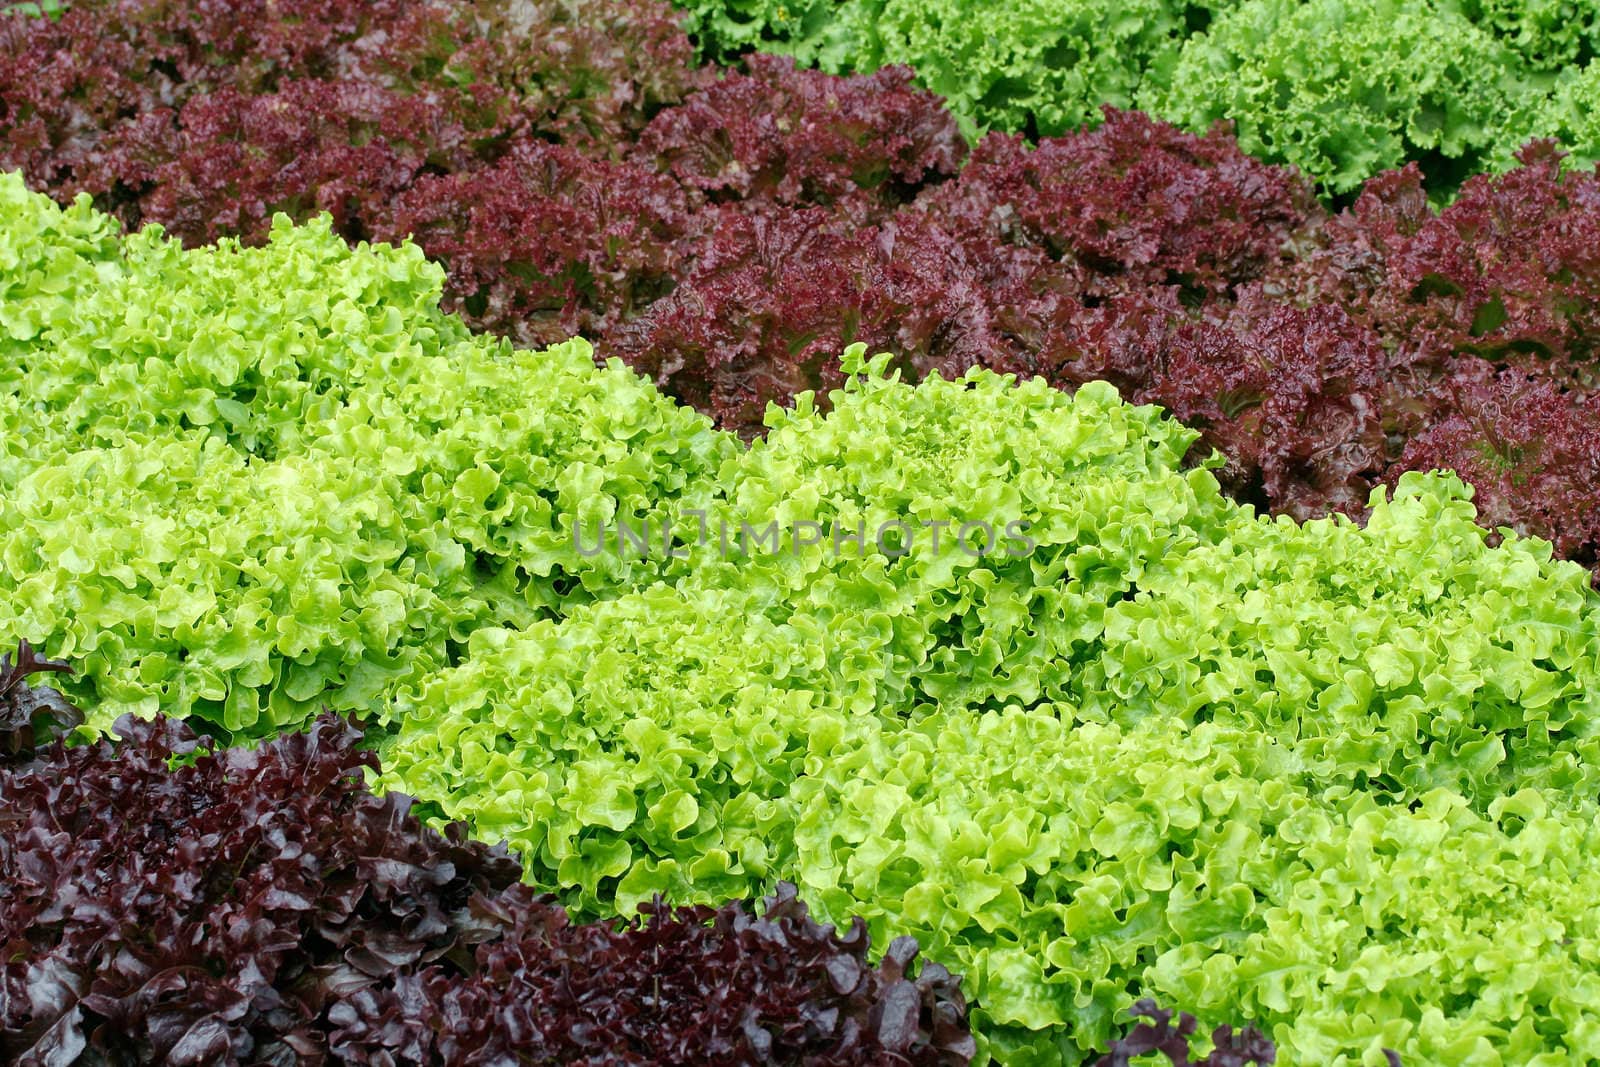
801 138
591 74
162 901
231 160
703 986
1488 315
1290 396
768 301
1530 449
548 242
1161 1035
67 84
30 713
1509 272
1135 203
501 70
728 234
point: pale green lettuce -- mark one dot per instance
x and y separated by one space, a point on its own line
240 483
1176 749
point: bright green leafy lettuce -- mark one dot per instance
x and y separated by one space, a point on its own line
816 32
1546 34
1344 88
180 572
1038 64
1171 749
237 483
47 255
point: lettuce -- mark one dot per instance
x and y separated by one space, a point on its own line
728 233
1548 34
1567 116
242 483
1174 750
1038 65
1344 89
31 714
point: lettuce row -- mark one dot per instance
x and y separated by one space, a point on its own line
1334 779
239 483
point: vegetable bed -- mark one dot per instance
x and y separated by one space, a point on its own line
481 478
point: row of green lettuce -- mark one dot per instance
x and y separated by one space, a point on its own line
1112 735
1342 89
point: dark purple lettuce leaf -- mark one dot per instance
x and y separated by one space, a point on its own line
699 986
1161 1035
27 712
588 74
1136 203
87 97
803 138
1294 398
548 242
67 84
1509 272
769 300
761 312
162 901
228 161
1488 314
1530 450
